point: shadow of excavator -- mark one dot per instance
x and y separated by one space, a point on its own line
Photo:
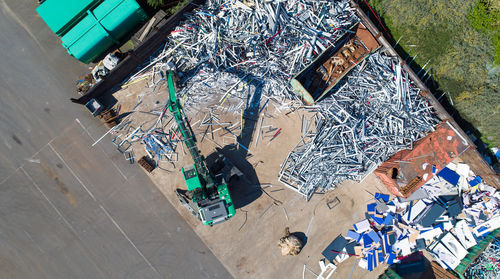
244 189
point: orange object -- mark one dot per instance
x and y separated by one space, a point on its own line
408 170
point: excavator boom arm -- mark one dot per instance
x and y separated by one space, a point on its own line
213 202
189 139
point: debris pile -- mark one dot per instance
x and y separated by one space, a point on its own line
160 139
375 112
160 145
249 51
225 91
290 244
447 216
269 41
408 170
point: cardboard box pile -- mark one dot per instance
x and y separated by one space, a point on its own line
447 216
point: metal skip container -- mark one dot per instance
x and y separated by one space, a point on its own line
320 77
89 28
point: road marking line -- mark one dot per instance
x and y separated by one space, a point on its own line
8 11
53 139
85 129
102 149
104 210
72 172
32 240
12 174
36 153
64 219
49 201
119 170
86 189
129 240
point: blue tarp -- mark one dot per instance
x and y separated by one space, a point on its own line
370 262
374 236
449 175
388 220
380 256
371 207
377 220
354 235
475 181
382 196
367 241
332 251
391 258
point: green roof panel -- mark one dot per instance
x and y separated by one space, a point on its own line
119 17
101 28
86 40
61 15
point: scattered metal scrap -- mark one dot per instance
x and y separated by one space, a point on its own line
159 140
240 49
373 114
487 265
333 203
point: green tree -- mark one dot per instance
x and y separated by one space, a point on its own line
157 3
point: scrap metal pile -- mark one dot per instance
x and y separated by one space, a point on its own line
238 49
376 112
268 41
226 91
448 215
487 265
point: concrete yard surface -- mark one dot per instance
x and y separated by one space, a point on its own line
247 243
70 210
252 252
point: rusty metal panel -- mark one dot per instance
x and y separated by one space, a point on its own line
408 170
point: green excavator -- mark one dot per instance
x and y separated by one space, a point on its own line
207 195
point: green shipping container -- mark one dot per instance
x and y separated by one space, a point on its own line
102 25
62 15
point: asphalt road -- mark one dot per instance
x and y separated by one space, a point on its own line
69 210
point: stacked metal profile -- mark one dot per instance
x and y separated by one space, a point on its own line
374 113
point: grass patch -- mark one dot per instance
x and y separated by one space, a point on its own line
174 9
485 17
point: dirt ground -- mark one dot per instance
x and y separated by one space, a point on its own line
247 243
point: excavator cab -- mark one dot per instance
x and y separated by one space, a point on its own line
211 208
213 211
